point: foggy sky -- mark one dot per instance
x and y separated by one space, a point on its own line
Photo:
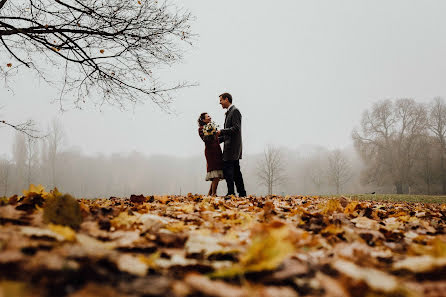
301 72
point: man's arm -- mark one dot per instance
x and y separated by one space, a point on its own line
236 124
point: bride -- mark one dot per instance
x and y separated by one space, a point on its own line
213 154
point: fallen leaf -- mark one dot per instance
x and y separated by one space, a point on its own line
420 264
366 223
132 265
65 231
269 247
375 279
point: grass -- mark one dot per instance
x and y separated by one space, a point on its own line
397 198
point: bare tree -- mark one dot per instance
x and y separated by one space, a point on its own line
5 168
437 125
426 167
19 156
55 139
270 169
390 139
412 128
339 170
96 47
316 173
31 157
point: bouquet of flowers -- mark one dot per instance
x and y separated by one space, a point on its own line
210 129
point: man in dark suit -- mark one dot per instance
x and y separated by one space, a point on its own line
231 135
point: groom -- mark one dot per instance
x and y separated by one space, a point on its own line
232 152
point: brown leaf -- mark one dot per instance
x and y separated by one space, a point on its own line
97 290
137 198
204 285
10 212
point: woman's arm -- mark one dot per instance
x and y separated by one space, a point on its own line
205 138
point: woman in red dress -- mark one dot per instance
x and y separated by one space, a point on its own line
213 154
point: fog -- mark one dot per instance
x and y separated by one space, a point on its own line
121 175
301 73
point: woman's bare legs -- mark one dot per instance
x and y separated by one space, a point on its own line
214 186
210 190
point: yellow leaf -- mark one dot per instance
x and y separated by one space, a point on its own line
332 229
65 231
150 260
14 289
33 190
351 207
439 247
55 193
330 206
188 208
124 220
176 227
269 247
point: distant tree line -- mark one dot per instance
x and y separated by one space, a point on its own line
399 147
50 162
402 144
328 171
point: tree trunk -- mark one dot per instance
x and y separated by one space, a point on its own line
443 174
399 188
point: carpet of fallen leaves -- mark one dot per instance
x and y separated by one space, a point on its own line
54 245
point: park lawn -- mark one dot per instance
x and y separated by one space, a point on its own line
396 198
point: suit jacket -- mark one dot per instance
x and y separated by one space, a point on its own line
231 135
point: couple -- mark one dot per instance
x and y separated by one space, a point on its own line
224 165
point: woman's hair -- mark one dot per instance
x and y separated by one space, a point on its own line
201 119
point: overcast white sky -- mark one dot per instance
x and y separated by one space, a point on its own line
301 72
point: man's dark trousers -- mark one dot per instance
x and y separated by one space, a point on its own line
232 173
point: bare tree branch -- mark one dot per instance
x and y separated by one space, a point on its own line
27 128
98 47
2 3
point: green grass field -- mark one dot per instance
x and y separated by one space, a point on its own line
396 197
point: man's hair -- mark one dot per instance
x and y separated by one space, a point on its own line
226 96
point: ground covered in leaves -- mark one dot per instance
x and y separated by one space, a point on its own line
52 244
